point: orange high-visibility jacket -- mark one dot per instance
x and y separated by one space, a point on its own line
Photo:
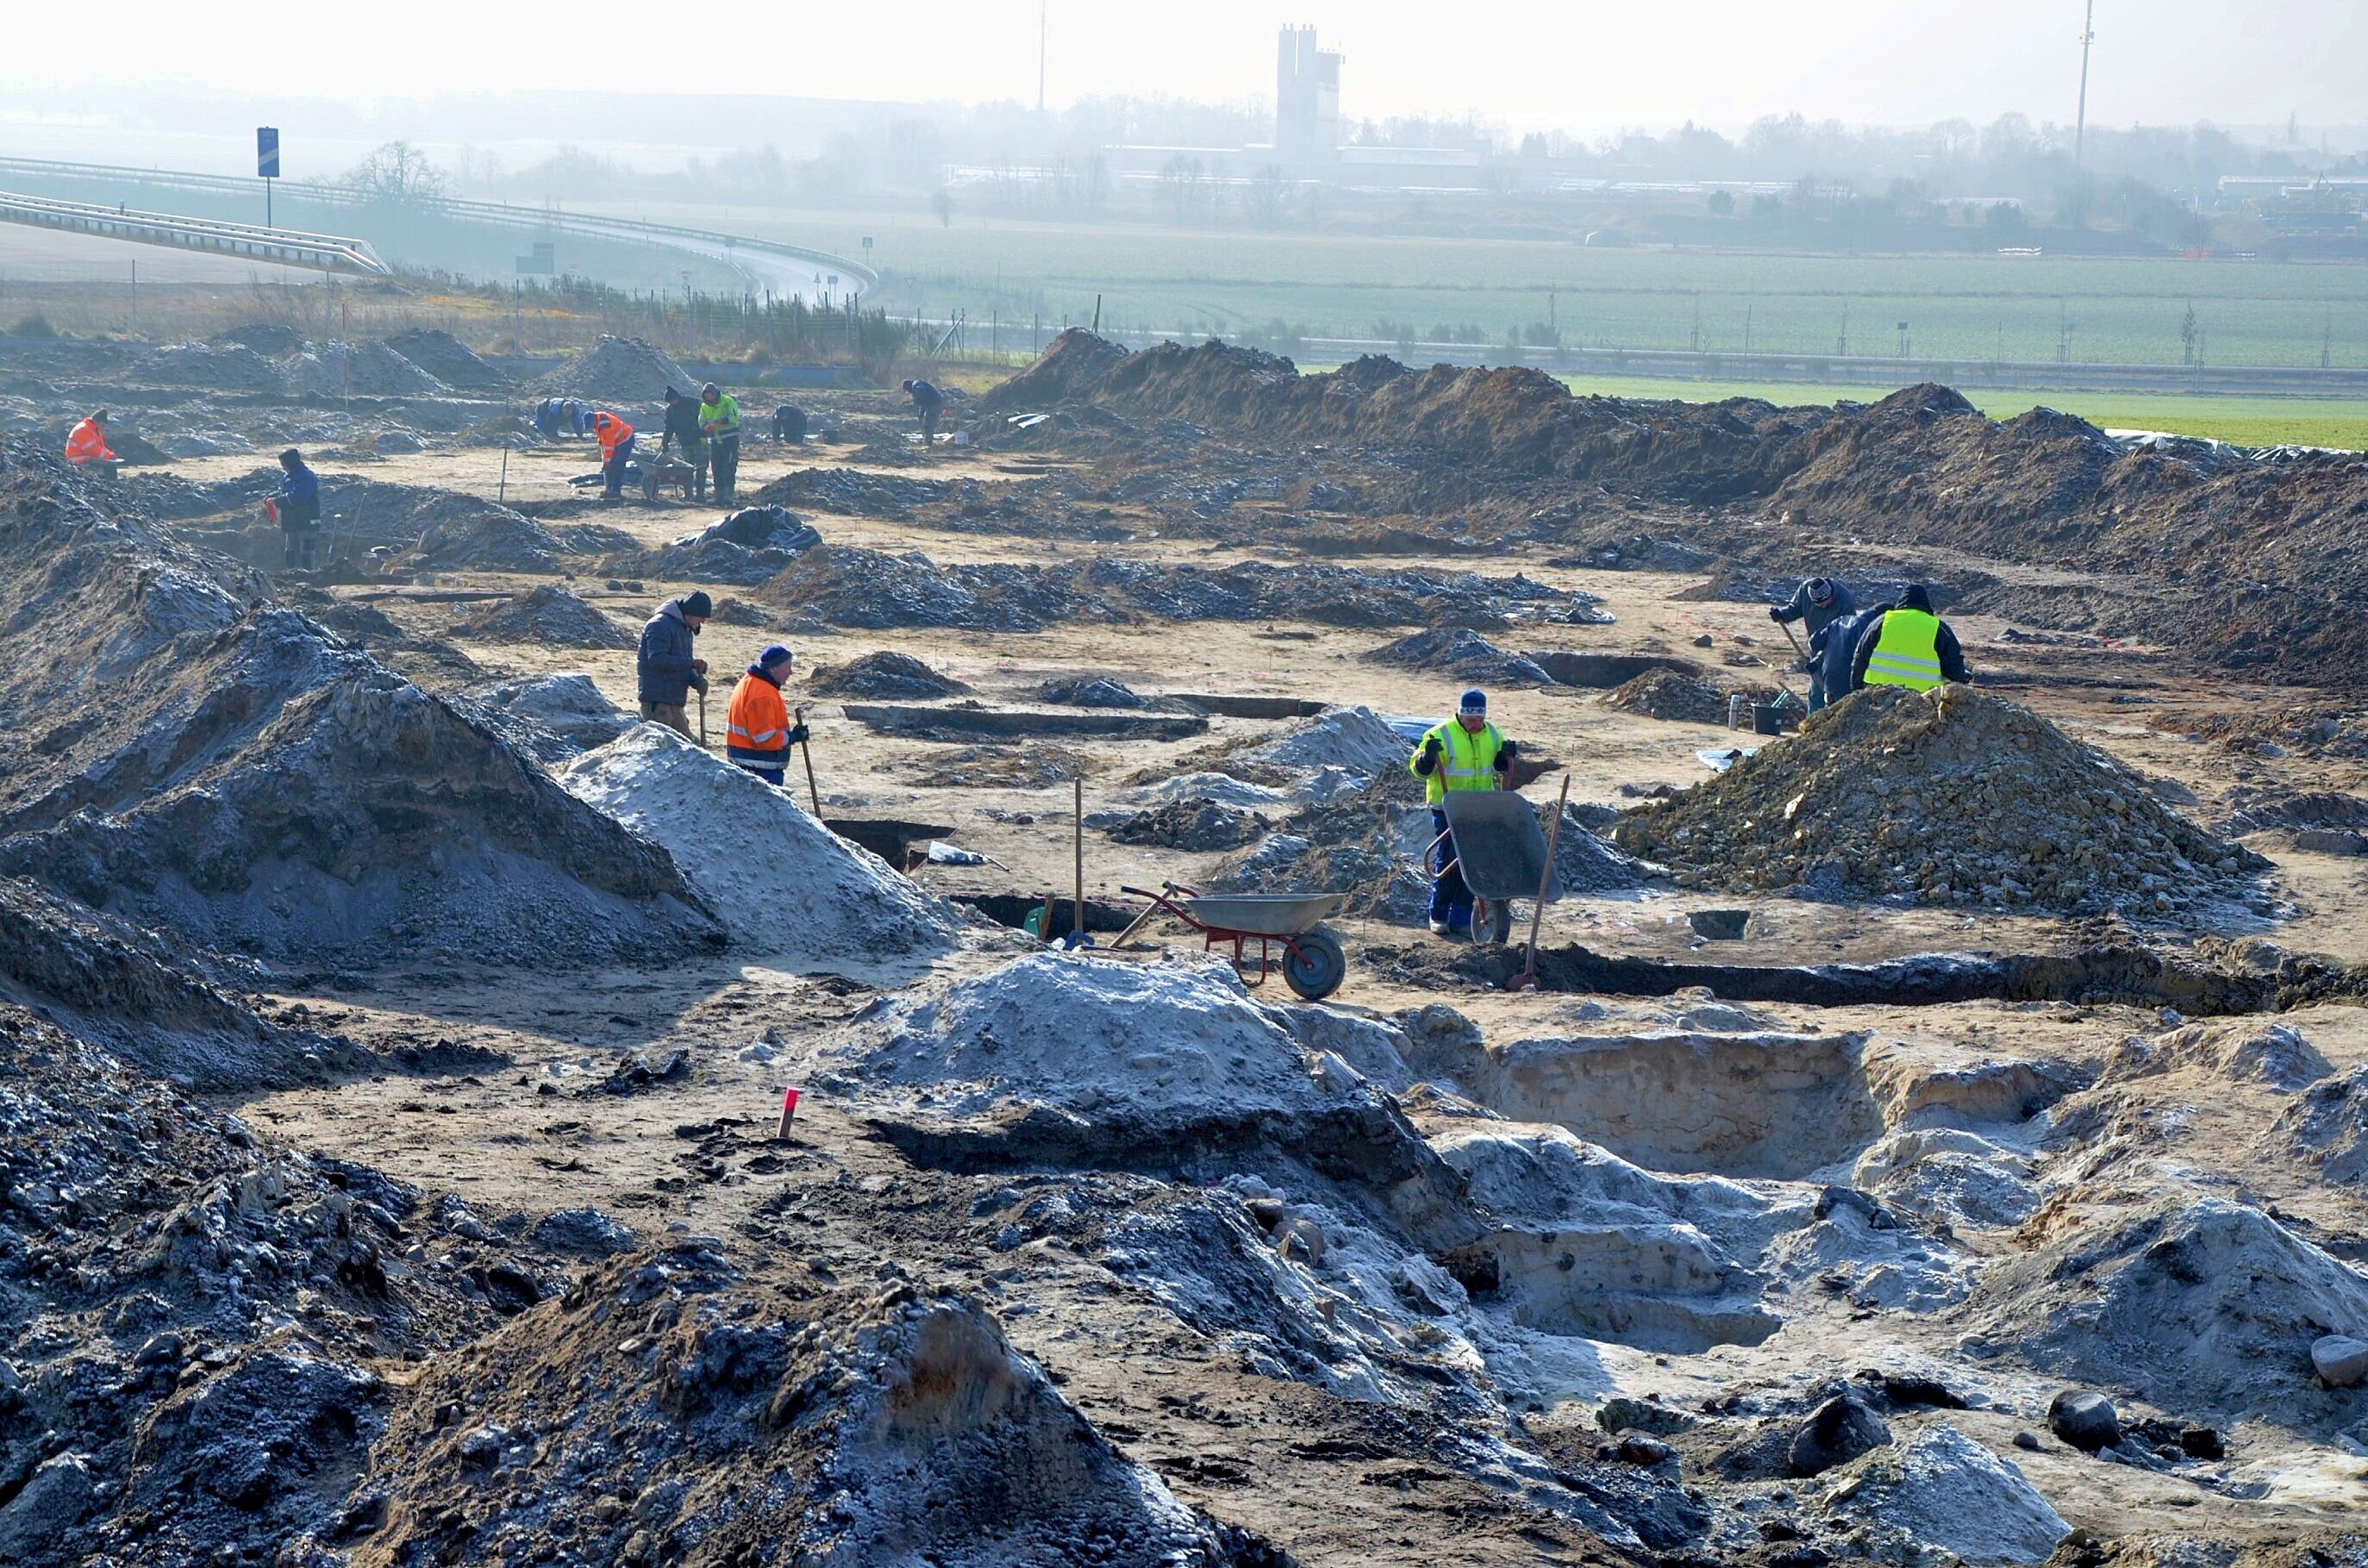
87 445
612 433
756 725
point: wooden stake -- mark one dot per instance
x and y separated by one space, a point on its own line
1079 923
502 492
812 792
1528 979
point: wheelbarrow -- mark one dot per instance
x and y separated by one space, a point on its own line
1310 956
1502 853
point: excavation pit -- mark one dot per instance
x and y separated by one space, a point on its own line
958 724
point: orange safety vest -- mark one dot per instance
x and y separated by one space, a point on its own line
614 433
86 445
756 725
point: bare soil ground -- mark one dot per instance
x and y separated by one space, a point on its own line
1585 1266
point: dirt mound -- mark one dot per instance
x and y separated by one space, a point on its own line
364 370
232 1294
265 789
773 1424
1513 419
1195 824
628 371
1091 691
110 984
553 717
1072 366
1356 739
468 535
852 491
1668 694
2327 1128
1950 797
550 616
271 339
740 842
1459 652
449 359
2206 1307
215 367
765 527
883 675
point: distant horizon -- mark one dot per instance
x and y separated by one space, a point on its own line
1526 67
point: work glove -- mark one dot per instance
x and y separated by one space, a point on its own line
698 684
701 665
1776 614
1505 754
1430 747
797 737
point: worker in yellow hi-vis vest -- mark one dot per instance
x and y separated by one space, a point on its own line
1908 646
1466 751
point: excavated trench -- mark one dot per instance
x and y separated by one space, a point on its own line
1607 670
2129 975
954 724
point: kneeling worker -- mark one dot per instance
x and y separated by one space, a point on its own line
756 727
87 445
1465 752
1909 646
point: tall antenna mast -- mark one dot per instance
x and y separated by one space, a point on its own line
2079 126
1039 62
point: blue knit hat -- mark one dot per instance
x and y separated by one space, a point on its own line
1474 702
775 655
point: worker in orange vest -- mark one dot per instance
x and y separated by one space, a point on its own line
757 732
87 445
616 438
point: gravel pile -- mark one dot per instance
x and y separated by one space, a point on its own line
624 370
1950 797
448 359
1459 652
1669 694
215 367
886 675
550 616
366 369
1190 825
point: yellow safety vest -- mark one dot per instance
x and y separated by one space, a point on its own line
1907 652
1466 761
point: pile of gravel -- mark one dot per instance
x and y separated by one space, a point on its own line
619 369
884 674
1947 797
550 616
1459 652
1669 694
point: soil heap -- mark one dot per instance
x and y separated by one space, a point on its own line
625 370
468 535
366 369
263 788
549 615
786 886
449 359
1669 694
1459 652
771 1422
884 674
215 367
1949 797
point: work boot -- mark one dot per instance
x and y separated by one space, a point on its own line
1437 928
1459 922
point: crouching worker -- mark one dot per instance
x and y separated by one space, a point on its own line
1466 751
756 726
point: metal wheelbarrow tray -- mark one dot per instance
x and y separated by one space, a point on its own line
1501 851
1311 958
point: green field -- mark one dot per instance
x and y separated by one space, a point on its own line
2247 421
2121 310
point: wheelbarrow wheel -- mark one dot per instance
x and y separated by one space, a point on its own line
1492 920
1315 968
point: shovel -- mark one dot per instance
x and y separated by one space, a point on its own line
702 720
812 792
1528 979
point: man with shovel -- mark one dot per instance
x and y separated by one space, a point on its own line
666 669
1465 752
757 729
1817 604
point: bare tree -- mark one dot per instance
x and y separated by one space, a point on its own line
398 172
941 202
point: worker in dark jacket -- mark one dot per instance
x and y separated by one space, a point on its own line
1817 604
929 403
681 430
1834 646
297 505
666 667
1908 646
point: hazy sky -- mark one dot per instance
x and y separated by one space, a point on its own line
1590 64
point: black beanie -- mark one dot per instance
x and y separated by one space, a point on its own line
698 603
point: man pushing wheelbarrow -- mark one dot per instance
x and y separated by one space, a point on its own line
1465 752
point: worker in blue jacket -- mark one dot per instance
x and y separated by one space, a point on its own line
297 505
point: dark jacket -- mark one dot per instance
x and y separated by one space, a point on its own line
664 665
1834 646
926 396
1815 618
682 425
1945 649
298 497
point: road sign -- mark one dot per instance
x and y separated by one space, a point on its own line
267 151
